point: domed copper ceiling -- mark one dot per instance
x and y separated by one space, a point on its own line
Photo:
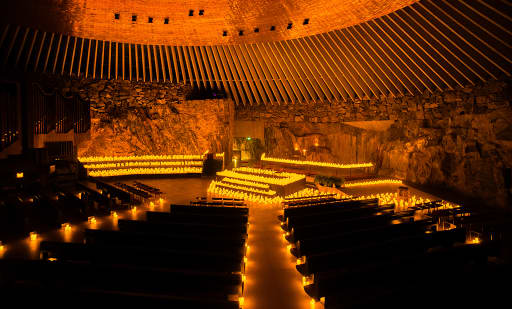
194 22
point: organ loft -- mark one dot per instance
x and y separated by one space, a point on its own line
270 154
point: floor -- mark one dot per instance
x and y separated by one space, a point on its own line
272 280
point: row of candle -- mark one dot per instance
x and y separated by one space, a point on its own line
392 198
262 179
315 163
259 171
371 182
217 191
243 188
143 163
145 171
308 192
246 183
143 158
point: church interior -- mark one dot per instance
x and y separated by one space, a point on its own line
256 154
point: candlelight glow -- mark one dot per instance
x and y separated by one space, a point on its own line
371 182
146 171
391 198
143 163
33 236
314 163
246 183
66 227
271 177
144 158
19 175
91 220
243 188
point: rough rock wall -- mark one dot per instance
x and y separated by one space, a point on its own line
460 138
138 118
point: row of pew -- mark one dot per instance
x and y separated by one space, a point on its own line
357 254
190 257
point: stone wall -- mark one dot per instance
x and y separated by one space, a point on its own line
139 118
461 139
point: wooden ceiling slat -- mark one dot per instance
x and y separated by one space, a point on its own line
276 66
34 36
426 46
368 65
462 50
268 68
394 52
438 53
416 63
354 63
297 72
255 65
36 65
332 83
354 82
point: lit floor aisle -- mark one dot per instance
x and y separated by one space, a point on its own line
272 280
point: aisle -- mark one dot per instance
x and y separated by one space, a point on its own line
272 280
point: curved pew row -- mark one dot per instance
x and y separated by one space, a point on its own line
348 249
192 257
131 280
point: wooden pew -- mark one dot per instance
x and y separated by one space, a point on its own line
128 279
42 295
198 260
180 228
325 207
316 245
354 255
232 244
341 212
338 225
236 220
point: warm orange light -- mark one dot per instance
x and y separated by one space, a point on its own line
91 220
52 259
2 247
19 175
372 182
114 214
151 204
33 236
66 227
145 171
241 301
134 210
161 200
315 163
